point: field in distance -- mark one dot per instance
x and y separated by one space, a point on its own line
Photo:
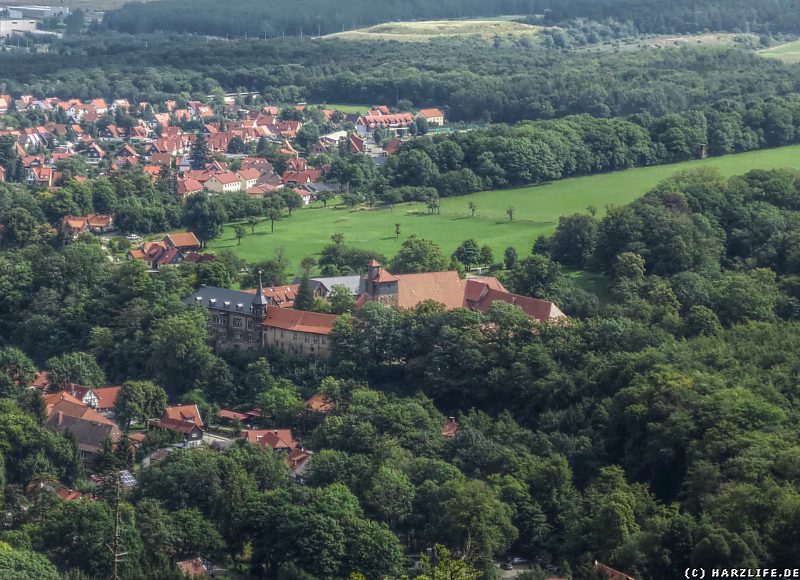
536 211
789 52
426 30
73 4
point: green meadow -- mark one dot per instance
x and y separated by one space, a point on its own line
356 109
536 211
789 52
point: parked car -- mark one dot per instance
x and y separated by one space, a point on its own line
507 566
518 560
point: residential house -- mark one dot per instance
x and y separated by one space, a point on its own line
224 182
43 176
394 123
67 414
450 428
183 241
188 413
95 154
183 419
100 223
275 439
94 222
100 106
305 195
301 178
188 187
192 434
432 116
248 178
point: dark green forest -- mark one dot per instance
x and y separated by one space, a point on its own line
274 18
473 81
655 432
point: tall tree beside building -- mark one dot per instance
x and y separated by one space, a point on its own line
200 153
305 295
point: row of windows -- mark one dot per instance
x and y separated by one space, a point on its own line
237 322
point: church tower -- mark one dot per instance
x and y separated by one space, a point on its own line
258 305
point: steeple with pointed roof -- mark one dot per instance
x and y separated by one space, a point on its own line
259 302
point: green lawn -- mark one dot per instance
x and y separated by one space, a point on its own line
356 109
537 210
789 52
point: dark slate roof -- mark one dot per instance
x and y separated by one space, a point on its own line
220 296
353 283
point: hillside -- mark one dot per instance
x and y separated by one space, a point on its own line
430 29
537 210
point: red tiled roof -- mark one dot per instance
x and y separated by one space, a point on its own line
68 494
225 177
183 240
320 404
429 113
297 458
188 186
98 220
541 310
232 415
41 380
450 428
186 413
249 174
107 397
299 320
278 439
174 425
443 287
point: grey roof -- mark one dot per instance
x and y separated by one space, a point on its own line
353 283
220 296
88 435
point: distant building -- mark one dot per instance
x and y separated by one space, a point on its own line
432 116
11 26
447 288
264 318
38 11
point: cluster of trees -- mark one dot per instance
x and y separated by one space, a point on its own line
312 17
306 17
541 151
684 16
506 83
654 433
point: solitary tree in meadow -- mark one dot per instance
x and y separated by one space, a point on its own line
252 221
472 207
239 232
510 212
396 230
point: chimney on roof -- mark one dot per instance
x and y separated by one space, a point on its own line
60 417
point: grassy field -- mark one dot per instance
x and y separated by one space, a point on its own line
537 210
789 52
426 30
357 109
